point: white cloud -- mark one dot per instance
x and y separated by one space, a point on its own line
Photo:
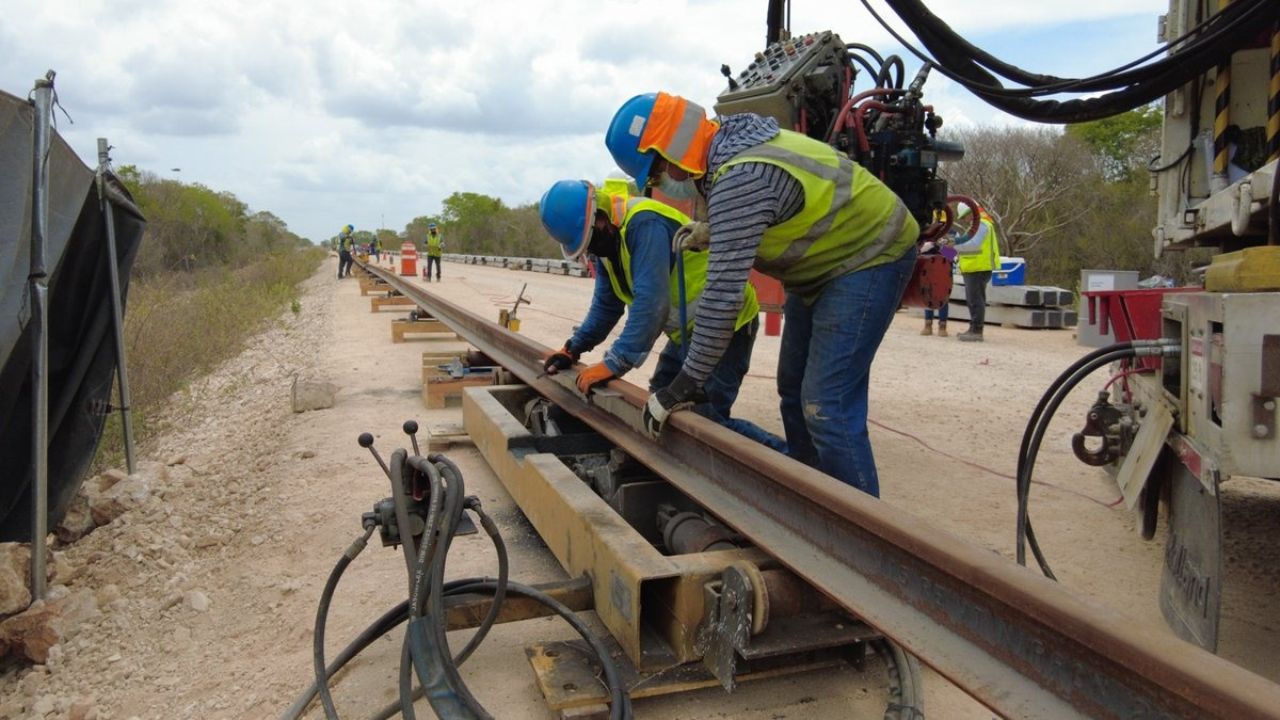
328 112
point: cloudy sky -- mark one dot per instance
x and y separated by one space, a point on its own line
328 112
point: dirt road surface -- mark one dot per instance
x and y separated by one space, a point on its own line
208 591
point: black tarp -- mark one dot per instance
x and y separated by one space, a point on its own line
81 340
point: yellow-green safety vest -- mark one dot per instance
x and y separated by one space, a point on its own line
695 274
987 259
433 245
850 220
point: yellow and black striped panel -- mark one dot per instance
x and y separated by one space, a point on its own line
1273 99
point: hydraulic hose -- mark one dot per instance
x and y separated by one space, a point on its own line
619 701
1038 423
1130 86
322 615
426 649
383 625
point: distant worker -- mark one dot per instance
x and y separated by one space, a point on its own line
375 249
346 245
945 248
435 248
842 243
978 257
632 246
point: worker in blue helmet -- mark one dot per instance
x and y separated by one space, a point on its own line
346 245
636 246
840 241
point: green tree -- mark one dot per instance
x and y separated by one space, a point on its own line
1124 143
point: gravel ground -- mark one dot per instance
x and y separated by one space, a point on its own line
207 591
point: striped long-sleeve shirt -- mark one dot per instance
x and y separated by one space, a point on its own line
742 203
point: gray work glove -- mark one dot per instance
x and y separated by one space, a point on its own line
695 236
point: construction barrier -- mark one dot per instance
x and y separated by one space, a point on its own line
408 259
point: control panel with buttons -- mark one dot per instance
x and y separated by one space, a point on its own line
779 77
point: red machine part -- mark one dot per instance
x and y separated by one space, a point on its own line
1130 314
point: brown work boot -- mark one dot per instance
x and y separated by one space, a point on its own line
942 328
928 328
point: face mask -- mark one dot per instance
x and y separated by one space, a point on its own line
603 243
677 189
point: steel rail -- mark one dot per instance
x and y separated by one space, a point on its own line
1019 643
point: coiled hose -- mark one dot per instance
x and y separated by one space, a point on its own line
1038 425
426 650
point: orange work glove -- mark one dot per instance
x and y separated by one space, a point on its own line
593 375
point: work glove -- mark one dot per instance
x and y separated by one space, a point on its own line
593 375
664 401
694 236
561 359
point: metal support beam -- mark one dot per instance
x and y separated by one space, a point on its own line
117 303
38 288
1017 642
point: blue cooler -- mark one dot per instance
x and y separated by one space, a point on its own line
1013 271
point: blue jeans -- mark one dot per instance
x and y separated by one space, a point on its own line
722 387
824 368
942 313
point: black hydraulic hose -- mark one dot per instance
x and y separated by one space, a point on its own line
426 645
495 607
619 701
322 615
956 59
449 526
401 503
383 625
887 77
429 535
1038 425
871 72
408 693
1044 399
933 31
866 49
906 691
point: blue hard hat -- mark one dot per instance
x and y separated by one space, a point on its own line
568 210
623 137
431 226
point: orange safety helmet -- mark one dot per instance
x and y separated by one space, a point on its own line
669 125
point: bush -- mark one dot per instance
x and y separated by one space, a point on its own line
179 326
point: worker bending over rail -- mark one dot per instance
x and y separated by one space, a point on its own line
842 243
640 267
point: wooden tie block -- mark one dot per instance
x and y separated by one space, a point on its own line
430 327
370 285
440 389
443 437
393 301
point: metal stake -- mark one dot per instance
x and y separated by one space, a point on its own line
38 284
117 309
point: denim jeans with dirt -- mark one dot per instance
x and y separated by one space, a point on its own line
824 368
723 385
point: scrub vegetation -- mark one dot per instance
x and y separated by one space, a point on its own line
209 275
